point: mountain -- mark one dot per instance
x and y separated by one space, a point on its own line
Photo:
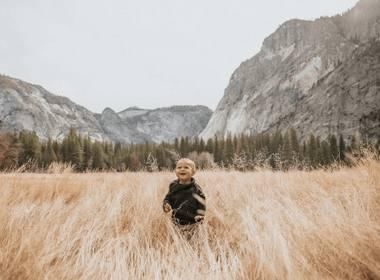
162 124
317 76
31 107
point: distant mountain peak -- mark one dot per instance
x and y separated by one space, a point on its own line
24 106
131 108
108 110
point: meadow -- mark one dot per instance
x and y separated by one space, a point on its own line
259 225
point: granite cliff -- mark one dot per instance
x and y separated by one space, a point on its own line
24 106
317 76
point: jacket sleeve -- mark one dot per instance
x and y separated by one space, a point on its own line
201 198
167 199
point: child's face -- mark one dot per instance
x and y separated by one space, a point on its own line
183 171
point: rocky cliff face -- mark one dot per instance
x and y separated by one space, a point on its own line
162 124
165 123
31 107
301 76
345 101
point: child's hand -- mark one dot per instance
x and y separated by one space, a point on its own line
199 218
167 208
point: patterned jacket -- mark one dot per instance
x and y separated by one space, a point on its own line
187 201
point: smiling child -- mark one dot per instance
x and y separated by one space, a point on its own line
185 197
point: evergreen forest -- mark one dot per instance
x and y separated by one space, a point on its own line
278 151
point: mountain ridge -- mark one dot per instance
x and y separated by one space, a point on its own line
31 107
271 85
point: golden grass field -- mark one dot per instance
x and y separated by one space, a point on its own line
259 225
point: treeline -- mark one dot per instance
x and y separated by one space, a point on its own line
279 151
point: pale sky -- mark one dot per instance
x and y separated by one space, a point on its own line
146 53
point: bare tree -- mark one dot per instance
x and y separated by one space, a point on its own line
204 160
151 163
240 161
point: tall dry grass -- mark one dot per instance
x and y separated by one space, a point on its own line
262 225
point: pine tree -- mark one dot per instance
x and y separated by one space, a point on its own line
275 142
304 150
326 154
342 148
286 153
377 146
334 147
210 146
229 149
98 157
239 144
76 155
30 147
201 146
49 155
87 153
73 149
222 151
176 145
161 157
134 162
9 151
119 165
187 145
312 150
195 146
147 150
57 150
182 147
244 146
65 150
252 147
318 158
236 149
294 144
216 150
353 146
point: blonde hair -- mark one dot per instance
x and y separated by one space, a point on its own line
188 162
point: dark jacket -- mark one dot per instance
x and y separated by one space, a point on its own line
187 201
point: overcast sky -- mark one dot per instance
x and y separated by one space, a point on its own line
146 53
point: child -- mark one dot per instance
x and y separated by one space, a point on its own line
185 196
